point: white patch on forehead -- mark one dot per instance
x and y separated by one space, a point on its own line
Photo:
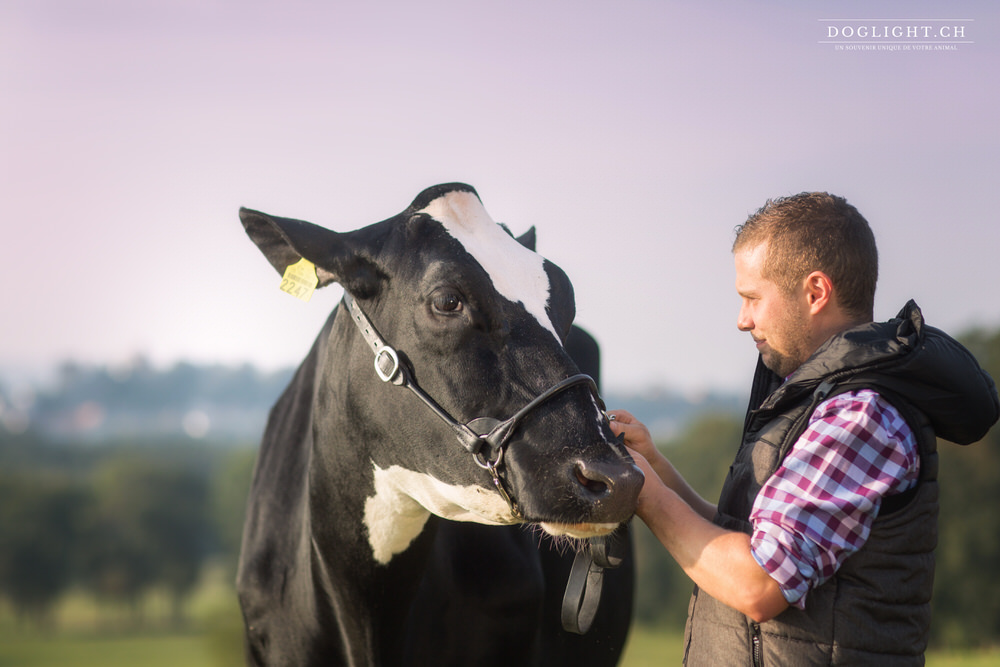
404 500
517 273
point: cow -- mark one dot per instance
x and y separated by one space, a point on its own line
437 414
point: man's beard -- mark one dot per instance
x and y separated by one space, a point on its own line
795 332
782 365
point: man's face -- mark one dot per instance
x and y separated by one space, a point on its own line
777 321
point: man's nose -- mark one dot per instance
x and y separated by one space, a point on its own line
744 322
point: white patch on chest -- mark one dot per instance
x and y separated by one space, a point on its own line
405 499
517 273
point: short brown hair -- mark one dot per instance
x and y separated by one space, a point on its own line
816 231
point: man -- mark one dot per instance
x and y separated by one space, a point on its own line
820 550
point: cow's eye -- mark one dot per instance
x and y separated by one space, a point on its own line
447 302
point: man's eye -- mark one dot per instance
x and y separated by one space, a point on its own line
447 302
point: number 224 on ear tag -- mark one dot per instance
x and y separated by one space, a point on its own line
300 279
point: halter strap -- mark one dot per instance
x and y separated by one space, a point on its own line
478 431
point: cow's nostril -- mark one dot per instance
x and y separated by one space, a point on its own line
588 481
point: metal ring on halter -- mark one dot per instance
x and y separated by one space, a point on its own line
487 465
386 376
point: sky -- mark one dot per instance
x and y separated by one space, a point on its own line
633 135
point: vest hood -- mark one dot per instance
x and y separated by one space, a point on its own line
920 363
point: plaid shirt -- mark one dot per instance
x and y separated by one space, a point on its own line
818 507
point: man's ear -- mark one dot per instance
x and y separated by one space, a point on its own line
818 290
344 258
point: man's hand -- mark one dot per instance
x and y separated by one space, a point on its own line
637 436
718 560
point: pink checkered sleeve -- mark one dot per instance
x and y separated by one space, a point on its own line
818 507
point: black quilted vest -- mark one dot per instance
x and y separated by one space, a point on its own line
876 609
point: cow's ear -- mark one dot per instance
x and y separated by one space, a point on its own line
585 352
527 239
561 307
339 257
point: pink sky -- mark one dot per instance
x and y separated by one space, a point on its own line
634 135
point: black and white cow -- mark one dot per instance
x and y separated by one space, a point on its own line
351 552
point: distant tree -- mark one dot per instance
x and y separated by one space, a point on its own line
180 526
39 535
966 589
117 558
230 487
151 526
115 566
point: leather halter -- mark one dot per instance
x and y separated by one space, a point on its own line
486 438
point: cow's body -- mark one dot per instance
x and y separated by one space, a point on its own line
351 551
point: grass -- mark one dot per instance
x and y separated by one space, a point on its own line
648 647
171 650
213 639
85 633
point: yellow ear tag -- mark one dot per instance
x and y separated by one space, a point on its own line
300 279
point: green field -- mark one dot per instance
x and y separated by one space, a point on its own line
67 651
649 648
646 648
85 634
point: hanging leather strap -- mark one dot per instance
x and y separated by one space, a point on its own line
586 579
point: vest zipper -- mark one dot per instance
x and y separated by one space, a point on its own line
758 656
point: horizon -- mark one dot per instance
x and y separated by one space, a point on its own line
47 378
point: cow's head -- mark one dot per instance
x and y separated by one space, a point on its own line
479 321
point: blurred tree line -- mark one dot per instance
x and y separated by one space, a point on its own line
135 400
966 602
115 521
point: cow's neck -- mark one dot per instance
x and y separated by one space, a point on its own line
352 583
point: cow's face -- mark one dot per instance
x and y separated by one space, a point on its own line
480 322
